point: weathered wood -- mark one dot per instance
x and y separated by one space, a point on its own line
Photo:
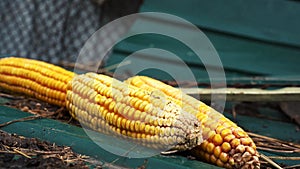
245 94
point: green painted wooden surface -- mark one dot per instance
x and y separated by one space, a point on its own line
268 20
65 134
253 39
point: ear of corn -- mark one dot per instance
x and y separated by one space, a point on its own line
97 103
38 79
110 106
225 145
147 111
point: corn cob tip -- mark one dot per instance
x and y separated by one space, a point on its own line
227 145
193 131
245 157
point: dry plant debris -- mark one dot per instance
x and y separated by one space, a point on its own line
20 152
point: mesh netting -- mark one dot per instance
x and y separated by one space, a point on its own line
55 30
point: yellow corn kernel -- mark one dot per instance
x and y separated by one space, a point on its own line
229 137
207 156
217 139
225 132
217 151
213 159
210 148
226 147
224 157
219 163
235 142
246 141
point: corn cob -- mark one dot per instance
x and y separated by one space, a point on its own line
38 79
225 145
112 107
91 99
107 114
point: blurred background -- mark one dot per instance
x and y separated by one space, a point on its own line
258 43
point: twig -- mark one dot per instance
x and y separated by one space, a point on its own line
270 161
13 152
293 166
7 151
21 120
20 152
9 96
284 158
274 139
275 150
36 116
276 146
71 118
48 152
169 152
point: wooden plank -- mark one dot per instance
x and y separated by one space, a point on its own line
255 19
238 54
249 48
251 94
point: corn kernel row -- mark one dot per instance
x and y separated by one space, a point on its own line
44 81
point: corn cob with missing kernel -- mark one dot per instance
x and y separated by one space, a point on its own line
225 145
104 104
